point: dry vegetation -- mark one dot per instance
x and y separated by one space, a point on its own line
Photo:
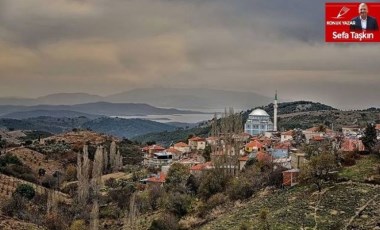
8 223
80 138
36 160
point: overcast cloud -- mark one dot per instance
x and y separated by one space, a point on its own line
107 46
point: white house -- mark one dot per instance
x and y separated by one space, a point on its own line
197 143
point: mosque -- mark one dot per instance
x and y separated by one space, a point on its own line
259 121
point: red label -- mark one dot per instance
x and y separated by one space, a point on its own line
343 22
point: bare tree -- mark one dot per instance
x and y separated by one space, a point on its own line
105 160
52 202
97 169
113 157
226 150
96 183
131 214
83 167
94 222
119 161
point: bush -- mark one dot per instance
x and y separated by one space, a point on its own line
192 185
177 178
26 191
155 193
276 178
71 173
178 204
213 202
50 182
9 159
54 222
70 189
143 201
349 158
19 171
112 183
211 183
122 195
15 207
78 225
165 222
109 212
240 188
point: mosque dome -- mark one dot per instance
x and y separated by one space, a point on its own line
258 112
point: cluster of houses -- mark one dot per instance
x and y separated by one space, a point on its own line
268 147
260 141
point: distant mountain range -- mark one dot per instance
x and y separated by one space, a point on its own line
193 99
88 109
48 113
114 126
299 114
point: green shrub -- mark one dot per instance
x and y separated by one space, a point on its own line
122 195
78 225
165 222
178 204
110 212
240 189
211 183
26 191
9 159
50 182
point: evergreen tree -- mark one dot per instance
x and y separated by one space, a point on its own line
370 138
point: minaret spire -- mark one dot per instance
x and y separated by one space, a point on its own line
275 113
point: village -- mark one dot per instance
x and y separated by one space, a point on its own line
260 141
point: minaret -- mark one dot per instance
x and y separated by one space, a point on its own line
275 113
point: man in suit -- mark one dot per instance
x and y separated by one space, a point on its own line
363 21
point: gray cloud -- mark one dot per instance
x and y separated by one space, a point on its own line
104 47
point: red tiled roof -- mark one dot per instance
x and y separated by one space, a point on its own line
283 145
181 144
160 179
212 138
196 139
200 167
314 129
156 147
318 138
254 144
173 151
263 157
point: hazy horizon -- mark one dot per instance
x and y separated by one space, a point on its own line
105 47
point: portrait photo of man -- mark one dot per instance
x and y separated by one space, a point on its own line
364 21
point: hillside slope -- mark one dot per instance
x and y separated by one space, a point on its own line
302 207
306 114
126 127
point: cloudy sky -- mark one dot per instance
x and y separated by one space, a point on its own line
108 46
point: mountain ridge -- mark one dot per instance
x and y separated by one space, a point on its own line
182 98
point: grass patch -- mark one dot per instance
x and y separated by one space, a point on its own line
295 209
364 167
